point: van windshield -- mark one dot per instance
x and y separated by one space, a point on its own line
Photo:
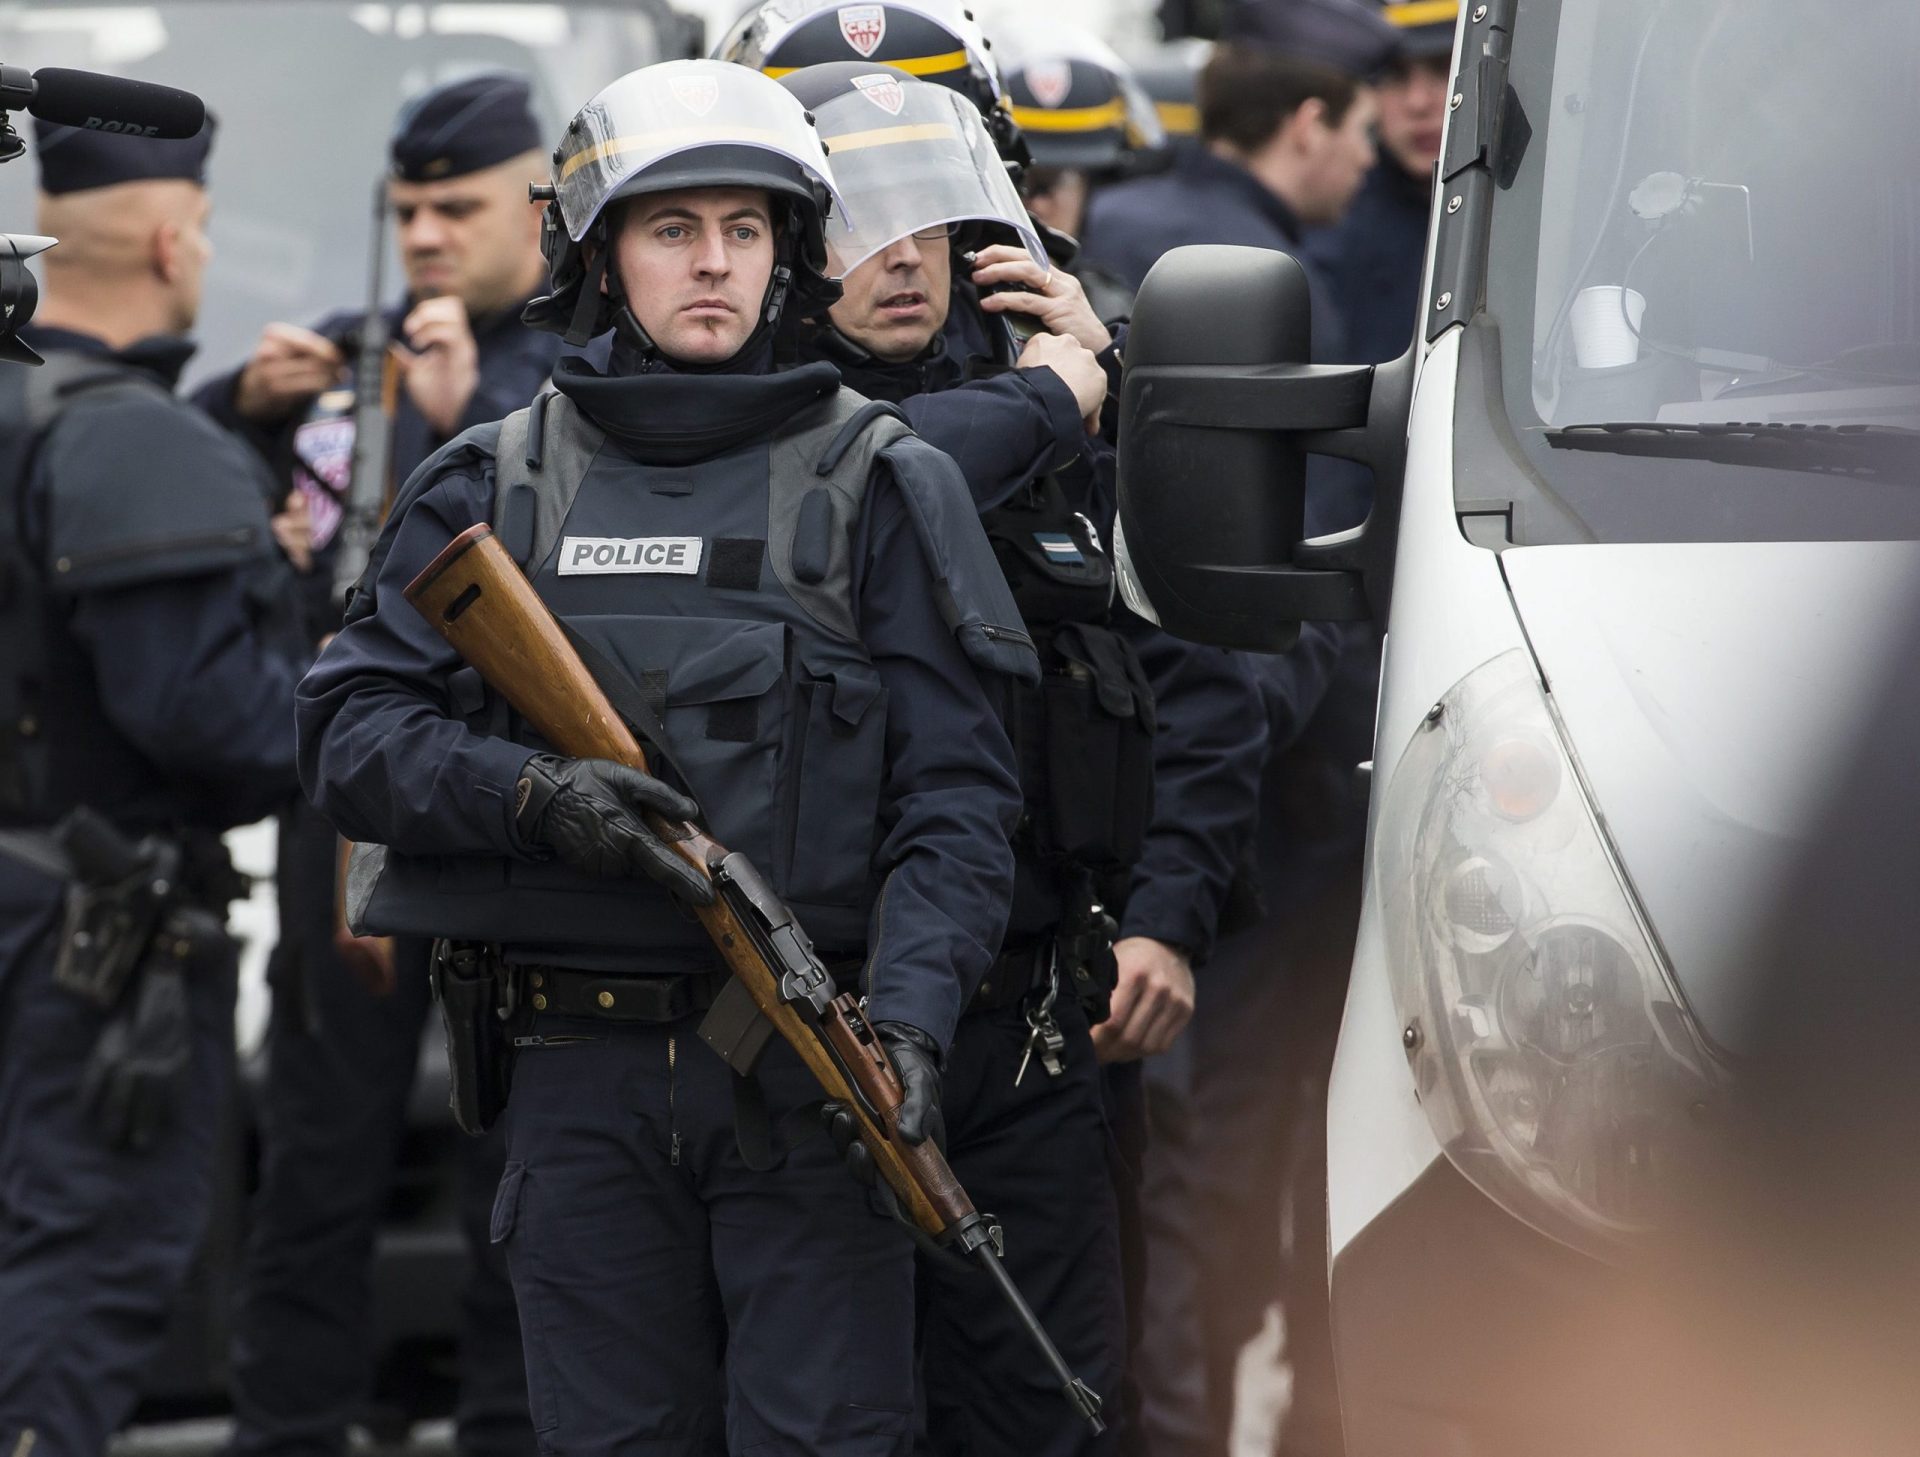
306 92
1705 278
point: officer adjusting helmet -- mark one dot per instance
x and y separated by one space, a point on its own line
910 158
934 40
1076 102
664 128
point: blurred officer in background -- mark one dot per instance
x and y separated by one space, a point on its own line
1285 114
149 647
1372 258
344 1042
1086 123
1286 123
1138 759
684 1285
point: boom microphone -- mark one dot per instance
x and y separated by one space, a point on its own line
94 102
111 103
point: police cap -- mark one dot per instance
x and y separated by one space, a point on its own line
1426 26
76 159
1344 35
465 126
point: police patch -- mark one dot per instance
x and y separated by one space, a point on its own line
1050 82
697 93
601 556
884 92
864 26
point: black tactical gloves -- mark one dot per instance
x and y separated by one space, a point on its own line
917 1059
589 812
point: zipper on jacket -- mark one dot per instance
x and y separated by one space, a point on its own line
1005 634
673 1121
238 536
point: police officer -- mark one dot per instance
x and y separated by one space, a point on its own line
1286 129
1087 123
683 1286
344 1042
926 194
1372 258
149 650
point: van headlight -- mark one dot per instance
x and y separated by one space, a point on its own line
1551 1051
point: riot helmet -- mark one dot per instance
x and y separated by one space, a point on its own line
665 128
909 158
1076 102
934 40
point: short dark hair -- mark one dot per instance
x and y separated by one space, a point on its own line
1247 91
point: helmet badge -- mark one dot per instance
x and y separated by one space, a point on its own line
697 93
1050 82
864 27
884 92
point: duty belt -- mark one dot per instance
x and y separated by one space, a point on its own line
567 992
1014 973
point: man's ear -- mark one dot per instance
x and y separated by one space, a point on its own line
1306 122
164 251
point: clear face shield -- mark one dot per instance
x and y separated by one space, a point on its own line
911 158
649 116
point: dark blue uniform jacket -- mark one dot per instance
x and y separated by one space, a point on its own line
1372 259
1008 427
514 362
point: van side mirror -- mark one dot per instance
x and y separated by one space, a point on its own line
1219 409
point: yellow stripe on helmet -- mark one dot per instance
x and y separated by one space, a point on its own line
1180 118
887 136
1409 13
913 65
1071 118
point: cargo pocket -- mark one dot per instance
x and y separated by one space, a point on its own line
509 1228
834 770
1099 737
714 684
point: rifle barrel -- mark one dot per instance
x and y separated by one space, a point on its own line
1077 1391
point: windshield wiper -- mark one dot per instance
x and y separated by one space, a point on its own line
1847 450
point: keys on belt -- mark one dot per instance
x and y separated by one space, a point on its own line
1044 1036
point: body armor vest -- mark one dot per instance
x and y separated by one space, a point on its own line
113 528
722 592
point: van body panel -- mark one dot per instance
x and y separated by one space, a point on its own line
1710 693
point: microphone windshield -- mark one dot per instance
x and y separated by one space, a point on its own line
112 104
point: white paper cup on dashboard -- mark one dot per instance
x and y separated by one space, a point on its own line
1606 326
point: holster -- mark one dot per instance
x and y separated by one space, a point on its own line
1083 946
118 891
476 997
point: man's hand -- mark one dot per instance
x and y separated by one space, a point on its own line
293 530
290 365
1077 368
441 361
917 1060
1152 1001
1056 299
592 814
369 958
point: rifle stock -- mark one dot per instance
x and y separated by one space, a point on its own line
477 598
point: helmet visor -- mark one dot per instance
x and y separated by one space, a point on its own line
910 158
664 111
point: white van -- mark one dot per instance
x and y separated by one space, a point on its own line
1647 493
